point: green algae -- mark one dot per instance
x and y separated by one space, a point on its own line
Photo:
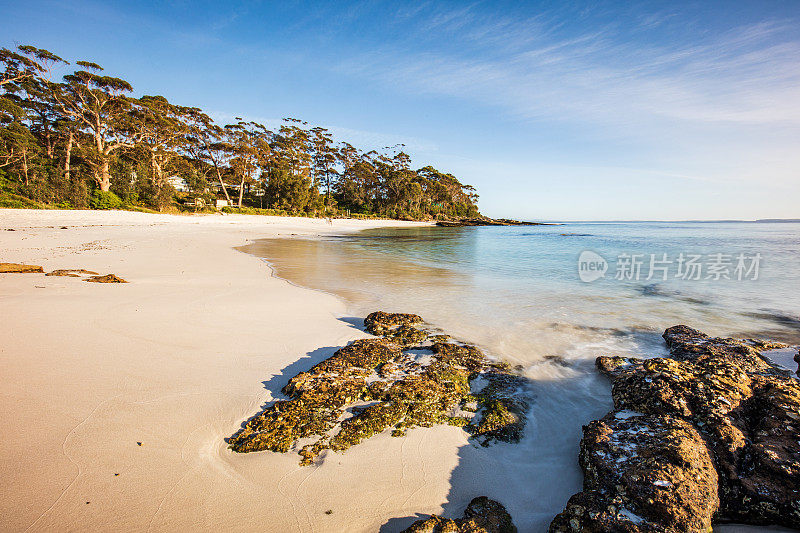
405 392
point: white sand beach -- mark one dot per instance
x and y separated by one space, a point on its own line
116 399
175 360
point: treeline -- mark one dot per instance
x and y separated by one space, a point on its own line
85 142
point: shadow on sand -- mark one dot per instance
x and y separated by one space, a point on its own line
355 322
278 381
533 478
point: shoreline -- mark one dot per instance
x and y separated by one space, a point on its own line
180 359
175 360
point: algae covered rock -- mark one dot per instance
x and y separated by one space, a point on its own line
642 473
108 278
17 268
503 405
373 385
745 412
397 326
381 323
71 273
481 516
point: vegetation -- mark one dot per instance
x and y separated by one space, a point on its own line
400 390
86 142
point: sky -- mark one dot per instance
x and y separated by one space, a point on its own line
554 111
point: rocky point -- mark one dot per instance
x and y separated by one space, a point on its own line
709 434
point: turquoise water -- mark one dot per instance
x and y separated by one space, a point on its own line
516 292
519 281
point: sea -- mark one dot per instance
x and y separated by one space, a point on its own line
551 299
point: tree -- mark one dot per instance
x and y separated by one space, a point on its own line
324 159
206 143
30 62
162 131
25 110
359 180
250 150
57 137
98 103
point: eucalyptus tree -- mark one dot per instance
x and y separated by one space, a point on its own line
207 144
358 180
99 105
250 151
28 62
291 146
162 131
25 111
19 147
323 159
291 179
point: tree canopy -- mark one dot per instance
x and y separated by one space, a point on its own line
83 139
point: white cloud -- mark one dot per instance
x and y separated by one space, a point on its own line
748 75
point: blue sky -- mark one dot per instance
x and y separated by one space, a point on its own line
595 110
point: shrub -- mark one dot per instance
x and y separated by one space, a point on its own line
105 200
14 201
254 211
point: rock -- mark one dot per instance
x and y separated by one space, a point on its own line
9 268
397 326
503 408
108 278
372 385
642 473
380 323
745 412
486 221
481 516
72 273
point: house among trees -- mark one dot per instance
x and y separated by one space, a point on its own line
178 183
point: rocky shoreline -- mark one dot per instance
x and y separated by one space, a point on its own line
708 435
409 376
485 221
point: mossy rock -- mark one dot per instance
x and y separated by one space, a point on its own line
405 394
17 268
481 516
72 273
108 278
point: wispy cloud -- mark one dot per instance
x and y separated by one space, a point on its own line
750 74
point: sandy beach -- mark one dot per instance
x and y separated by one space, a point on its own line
117 399
200 337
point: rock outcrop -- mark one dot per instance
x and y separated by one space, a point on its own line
708 434
486 221
94 277
17 268
71 273
108 278
398 327
481 516
404 379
